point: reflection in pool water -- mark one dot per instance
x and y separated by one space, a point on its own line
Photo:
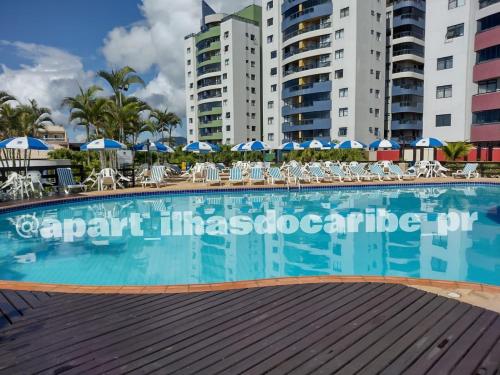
151 260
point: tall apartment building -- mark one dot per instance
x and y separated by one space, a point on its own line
405 69
223 77
323 70
462 70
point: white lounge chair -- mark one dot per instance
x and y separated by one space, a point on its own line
318 174
469 171
296 174
396 171
213 176
359 172
157 177
257 175
236 175
275 175
337 173
378 172
67 181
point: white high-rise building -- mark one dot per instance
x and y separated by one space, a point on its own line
462 70
223 77
323 70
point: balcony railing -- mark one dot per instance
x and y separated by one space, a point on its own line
297 69
311 47
408 70
408 51
323 25
415 34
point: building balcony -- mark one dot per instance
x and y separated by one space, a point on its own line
311 88
316 106
485 133
486 102
316 65
213 111
406 19
288 4
308 29
304 125
214 46
320 10
210 124
217 136
407 107
487 38
486 70
310 47
415 90
211 33
406 125
419 4
210 61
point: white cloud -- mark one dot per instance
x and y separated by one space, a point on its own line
51 75
158 42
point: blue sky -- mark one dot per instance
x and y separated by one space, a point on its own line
49 47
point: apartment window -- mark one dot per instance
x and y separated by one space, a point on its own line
270 104
455 31
370 110
339 54
252 103
270 137
339 73
191 97
344 12
452 4
226 48
377 112
253 90
252 36
192 108
252 64
228 114
228 128
377 74
189 62
270 21
274 71
443 120
188 50
378 55
269 5
224 89
343 93
274 54
377 131
252 51
270 38
226 34
190 120
342 132
253 116
224 103
226 62
224 76
378 36
343 112
252 77
270 120
189 74
339 34
445 63
191 85
377 94
254 128
487 86
443 92
190 131
274 88
379 17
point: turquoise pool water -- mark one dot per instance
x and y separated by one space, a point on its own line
140 240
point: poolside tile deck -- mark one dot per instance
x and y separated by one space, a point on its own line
342 328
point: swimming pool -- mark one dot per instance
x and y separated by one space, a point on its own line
211 237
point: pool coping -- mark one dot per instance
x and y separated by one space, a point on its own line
189 288
186 288
100 196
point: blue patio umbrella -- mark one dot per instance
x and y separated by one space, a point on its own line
256 146
290 146
154 146
200 147
428 142
384 143
315 145
24 143
350 145
239 147
103 144
215 147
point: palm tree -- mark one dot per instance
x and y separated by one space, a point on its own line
125 118
456 150
165 121
120 81
86 109
5 97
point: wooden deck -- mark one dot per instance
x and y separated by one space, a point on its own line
317 328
